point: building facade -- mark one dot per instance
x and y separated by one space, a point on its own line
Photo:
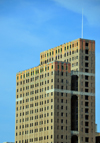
55 101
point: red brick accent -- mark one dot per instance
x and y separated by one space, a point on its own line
64 67
90 45
93 45
83 44
80 44
60 66
69 67
56 66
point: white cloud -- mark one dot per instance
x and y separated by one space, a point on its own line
91 9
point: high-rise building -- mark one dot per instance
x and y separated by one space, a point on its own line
55 101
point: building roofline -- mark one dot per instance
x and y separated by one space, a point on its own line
69 42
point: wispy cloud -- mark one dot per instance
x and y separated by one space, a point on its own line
91 9
24 23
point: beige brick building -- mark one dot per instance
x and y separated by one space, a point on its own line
55 101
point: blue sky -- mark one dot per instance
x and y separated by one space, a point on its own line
28 27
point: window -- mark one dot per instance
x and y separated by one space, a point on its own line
76 57
61 100
57 120
62 67
86 117
86 84
61 136
57 113
86 139
61 87
51 86
48 88
61 127
86 77
86 51
77 64
86 97
51 120
86 64
86 58
86 90
65 55
86 70
61 73
61 120
86 44
86 110
61 94
61 107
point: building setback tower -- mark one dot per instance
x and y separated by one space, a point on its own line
55 101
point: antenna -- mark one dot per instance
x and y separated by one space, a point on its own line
82 23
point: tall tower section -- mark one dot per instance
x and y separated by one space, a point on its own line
80 53
43 111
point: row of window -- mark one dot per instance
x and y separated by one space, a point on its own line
87 103
74 64
36 130
61 87
36 91
36 110
41 96
41 76
86 139
60 56
41 103
36 139
36 84
35 124
59 50
35 117
35 97
36 104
